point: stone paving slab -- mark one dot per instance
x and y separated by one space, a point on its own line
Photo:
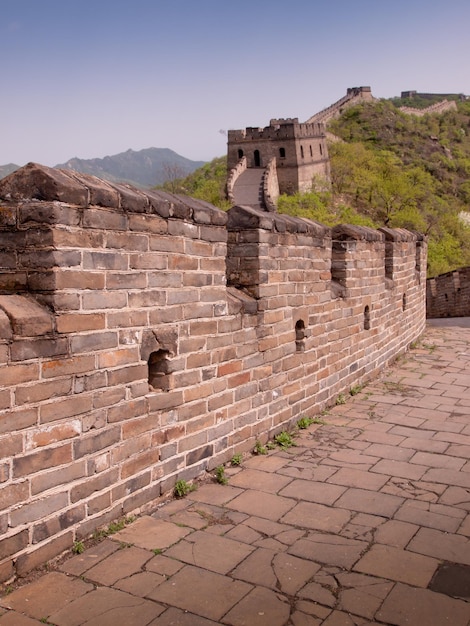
353 526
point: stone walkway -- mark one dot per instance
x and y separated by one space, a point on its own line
364 521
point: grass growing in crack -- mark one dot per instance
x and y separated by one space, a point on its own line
113 528
220 476
78 547
284 440
182 488
237 459
305 422
157 551
355 389
259 448
341 399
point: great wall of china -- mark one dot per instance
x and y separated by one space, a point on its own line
146 338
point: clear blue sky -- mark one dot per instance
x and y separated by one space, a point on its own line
90 78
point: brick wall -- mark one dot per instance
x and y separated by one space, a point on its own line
448 295
146 338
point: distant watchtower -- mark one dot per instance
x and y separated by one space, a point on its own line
300 152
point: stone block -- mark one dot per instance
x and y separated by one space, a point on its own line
27 317
42 460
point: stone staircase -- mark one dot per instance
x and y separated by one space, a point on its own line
248 189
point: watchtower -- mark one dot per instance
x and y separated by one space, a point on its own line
299 149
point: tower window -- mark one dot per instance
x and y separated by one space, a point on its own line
282 153
302 151
257 158
240 153
311 151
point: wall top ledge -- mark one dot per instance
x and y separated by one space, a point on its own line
401 234
348 232
250 218
48 184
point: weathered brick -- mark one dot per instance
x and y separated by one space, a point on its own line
104 219
105 260
10 445
63 476
38 348
131 485
46 552
6 570
127 410
95 483
79 279
94 342
52 434
4 472
17 420
13 544
43 391
63 367
53 526
38 509
140 462
99 503
104 300
201 453
11 375
42 460
13 494
60 409
77 322
108 397
128 374
130 447
96 442
122 356
129 280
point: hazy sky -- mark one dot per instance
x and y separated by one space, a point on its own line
90 78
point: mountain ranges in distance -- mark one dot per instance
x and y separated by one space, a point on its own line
142 168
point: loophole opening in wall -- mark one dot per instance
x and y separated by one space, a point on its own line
403 302
367 318
300 336
159 370
282 153
240 154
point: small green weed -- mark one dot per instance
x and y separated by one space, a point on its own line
284 440
304 422
78 547
113 528
341 399
220 476
182 488
259 448
355 389
157 551
237 459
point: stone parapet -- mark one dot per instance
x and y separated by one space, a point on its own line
147 338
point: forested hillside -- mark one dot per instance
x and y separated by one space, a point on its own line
387 168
